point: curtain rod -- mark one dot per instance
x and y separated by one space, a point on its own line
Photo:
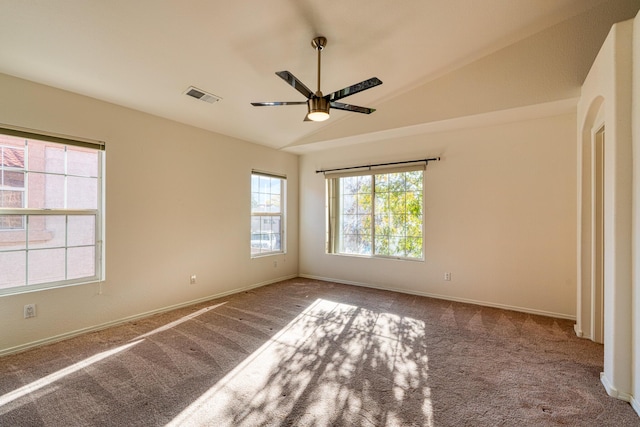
426 161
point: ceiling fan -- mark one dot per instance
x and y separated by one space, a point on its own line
318 104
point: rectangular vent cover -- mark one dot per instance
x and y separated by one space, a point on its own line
202 95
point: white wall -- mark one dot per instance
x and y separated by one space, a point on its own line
608 88
177 203
500 216
635 122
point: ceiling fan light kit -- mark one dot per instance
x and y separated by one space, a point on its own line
318 109
318 106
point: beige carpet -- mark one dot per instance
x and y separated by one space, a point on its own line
311 353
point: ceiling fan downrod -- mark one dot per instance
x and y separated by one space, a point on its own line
318 44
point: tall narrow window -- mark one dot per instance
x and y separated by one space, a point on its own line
50 211
267 213
376 213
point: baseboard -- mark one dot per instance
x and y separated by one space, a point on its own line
635 405
578 331
67 335
614 392
445 297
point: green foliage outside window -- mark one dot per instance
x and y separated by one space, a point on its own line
382 214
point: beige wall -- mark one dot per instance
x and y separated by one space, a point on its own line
500 216
177 203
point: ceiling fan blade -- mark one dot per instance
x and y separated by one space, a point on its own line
295 83
275 104
353 89
349 107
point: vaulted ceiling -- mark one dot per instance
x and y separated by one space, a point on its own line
438 59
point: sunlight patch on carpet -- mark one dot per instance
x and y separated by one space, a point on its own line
51 378
333 363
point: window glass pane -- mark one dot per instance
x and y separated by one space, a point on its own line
349 185
382 202
14 269
54 158
350 244
46 231
349 224
46 265
11 199
414 181
82 193
263 202
82 162
45 191
414 247
275 186
364 203
382 183
11 153
274 203
382 245
364 244
265 184
256 222
12 178
12 234
81 230
255 202
349 204
81 262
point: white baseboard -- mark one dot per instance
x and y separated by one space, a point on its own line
578 331
635 405
612 391
445 297
67 335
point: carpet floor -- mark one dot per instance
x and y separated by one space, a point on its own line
311 353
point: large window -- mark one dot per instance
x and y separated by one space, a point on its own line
376 214
50 211
267 213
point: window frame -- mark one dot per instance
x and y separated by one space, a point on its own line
30 213
334 212
281 215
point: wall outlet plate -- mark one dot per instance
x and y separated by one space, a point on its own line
29 311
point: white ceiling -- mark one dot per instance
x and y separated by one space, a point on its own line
143 54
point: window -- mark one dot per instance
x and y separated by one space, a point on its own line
50 211
267 213
376 214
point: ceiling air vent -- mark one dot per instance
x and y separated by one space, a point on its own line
202 95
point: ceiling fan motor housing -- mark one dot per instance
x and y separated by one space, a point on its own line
317 104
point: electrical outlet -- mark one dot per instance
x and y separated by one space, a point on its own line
447 276
275 264
192 279
29 311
